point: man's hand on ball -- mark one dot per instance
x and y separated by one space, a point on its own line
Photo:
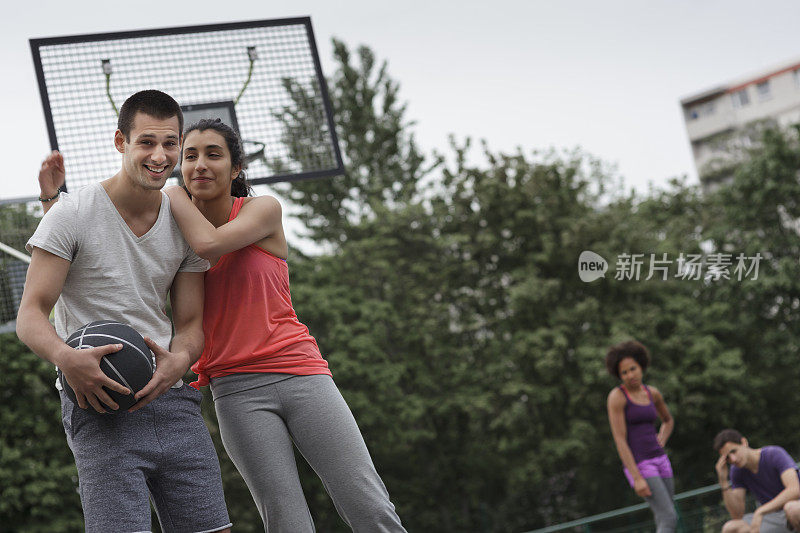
170 367
81 369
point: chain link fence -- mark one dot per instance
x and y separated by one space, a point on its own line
699 511
18 220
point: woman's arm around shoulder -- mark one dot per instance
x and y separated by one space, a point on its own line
258 219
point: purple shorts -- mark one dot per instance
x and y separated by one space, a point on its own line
655 467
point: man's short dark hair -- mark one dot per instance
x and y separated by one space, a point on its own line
150 102
618 352
725 436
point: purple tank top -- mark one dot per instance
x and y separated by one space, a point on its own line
639 420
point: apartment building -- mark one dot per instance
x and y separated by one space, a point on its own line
724 121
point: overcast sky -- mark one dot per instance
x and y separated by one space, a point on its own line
606 75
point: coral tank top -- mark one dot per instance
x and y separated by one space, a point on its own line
249 323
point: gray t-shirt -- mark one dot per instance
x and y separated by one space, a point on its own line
114 274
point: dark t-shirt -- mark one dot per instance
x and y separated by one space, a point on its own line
766 483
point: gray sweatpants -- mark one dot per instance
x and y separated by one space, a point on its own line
663 489
258 426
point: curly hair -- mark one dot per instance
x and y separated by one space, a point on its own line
633 349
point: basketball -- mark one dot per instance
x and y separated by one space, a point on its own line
132 366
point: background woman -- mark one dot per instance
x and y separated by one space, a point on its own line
632 410
270 384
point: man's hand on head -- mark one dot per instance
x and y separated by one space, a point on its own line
722 468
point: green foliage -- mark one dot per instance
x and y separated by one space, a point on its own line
306 129
38 478
470 351
383 163
765 315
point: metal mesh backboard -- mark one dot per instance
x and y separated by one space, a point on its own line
224 111
265 75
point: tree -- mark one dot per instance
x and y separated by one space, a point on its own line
383 164
504 367
757 215
38 478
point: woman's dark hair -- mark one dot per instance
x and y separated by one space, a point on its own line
633 349
725 436
239 186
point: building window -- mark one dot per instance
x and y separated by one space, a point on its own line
740 98
763 91
701 110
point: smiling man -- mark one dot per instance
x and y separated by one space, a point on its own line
112 251
769 473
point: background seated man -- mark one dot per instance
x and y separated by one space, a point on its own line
769 473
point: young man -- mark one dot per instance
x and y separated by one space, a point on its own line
111 251
769 473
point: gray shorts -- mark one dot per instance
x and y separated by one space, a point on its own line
162 451
771 523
